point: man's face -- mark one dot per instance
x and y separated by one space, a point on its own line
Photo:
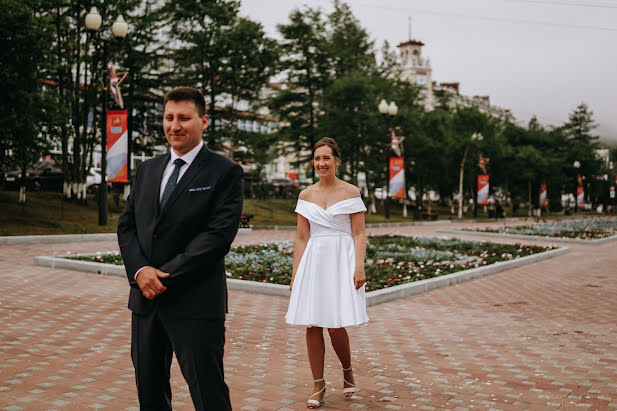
183 126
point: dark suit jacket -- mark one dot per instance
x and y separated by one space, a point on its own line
188 238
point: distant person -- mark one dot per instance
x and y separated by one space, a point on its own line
498 209
327 286
180 220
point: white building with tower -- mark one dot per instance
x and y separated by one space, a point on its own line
416 69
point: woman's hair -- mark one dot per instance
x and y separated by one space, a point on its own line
327 141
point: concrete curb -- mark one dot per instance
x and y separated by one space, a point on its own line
372 298
73 238
78 265
597 241
405 290
56 238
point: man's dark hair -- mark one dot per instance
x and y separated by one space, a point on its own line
187 94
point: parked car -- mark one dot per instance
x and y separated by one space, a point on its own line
380 193
283 187
45 176
93 178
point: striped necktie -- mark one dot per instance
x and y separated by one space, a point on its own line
171 183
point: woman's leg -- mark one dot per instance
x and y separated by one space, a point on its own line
316 351
340 343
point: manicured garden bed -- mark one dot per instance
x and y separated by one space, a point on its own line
390 260
585 229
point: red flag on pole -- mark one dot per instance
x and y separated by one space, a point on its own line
117 146
397 178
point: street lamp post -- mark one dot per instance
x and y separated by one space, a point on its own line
119 30
474 137
611 186
576 165
389 111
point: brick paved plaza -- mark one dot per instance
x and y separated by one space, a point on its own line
539 337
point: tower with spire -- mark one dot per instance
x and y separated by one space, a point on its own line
417 69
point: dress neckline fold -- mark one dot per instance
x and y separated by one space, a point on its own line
331 205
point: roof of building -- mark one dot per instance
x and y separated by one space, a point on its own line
411 43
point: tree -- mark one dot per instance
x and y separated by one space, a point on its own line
143 54
580 126
198 32
22 112
251 61
348 44
306 65
74 71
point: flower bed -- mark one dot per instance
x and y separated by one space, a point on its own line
390 260
587 229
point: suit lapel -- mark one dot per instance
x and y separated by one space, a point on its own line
189 175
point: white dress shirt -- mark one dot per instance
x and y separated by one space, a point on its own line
169 168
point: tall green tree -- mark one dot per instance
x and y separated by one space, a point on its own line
22 110
306 65
348 43
74 70
251 60
198 31
143 55
580 125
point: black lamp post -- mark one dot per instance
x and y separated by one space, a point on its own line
389 111
119 29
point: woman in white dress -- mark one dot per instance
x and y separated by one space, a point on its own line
327 286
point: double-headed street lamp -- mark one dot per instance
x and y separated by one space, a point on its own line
389 111
119 29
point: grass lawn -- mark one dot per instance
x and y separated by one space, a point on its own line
46 213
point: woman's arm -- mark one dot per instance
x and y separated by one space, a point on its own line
359 241
303 232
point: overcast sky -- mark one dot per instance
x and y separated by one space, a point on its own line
540 57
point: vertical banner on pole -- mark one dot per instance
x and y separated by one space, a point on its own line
612 192
482 189
580 195
397 178
117 146
543 198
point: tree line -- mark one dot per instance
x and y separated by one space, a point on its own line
330 79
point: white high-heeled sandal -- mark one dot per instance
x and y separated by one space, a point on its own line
349 390
311 403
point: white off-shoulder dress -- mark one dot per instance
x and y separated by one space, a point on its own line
323 293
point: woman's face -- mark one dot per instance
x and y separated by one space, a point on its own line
325 162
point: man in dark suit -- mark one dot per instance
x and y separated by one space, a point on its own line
180 220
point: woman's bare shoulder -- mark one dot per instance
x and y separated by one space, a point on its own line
350 190
306 193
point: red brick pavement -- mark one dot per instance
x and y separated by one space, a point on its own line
543 336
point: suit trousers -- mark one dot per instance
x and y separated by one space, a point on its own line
198 344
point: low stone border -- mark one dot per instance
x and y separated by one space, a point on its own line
71 238
417 287
596 241
56 238
372 298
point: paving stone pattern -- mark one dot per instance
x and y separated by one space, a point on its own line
539 337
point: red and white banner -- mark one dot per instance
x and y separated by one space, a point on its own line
482 189
612 192
580 195
397 178
543 198
117 146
